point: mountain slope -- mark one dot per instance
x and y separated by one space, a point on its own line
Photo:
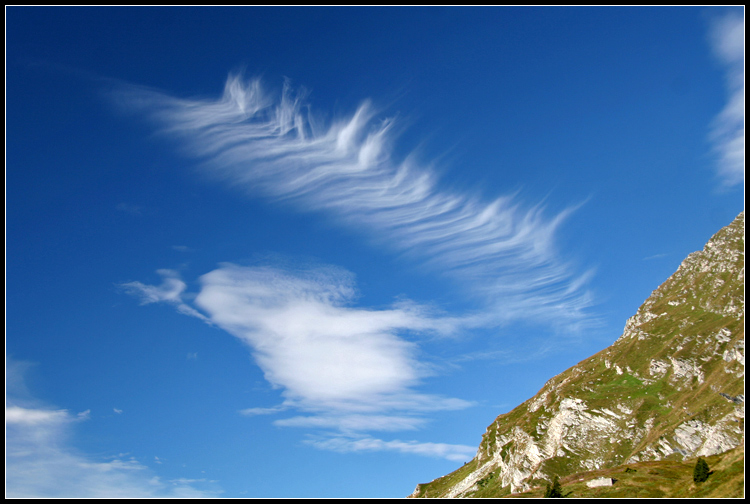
662 478
672 386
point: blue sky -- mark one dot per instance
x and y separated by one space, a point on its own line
314 252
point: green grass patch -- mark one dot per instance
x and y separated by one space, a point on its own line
664 478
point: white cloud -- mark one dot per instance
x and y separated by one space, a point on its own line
323 354
440 450
26 416
40 461
727 37
170 291
263 411
655 256
502 250
355 423
187 481
350 369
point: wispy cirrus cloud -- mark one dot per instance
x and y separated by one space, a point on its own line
502 251
727 36
41 462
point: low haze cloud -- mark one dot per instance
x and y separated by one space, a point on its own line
41 461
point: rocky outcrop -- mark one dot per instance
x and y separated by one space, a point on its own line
672 385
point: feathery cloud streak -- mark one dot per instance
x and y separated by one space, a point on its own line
502 251
728 128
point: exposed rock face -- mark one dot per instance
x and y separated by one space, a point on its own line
671 385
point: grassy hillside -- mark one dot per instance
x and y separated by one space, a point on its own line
671 388
663 478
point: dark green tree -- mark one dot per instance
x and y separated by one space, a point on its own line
700 473
555 490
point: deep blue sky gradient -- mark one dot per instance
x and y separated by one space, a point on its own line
606 108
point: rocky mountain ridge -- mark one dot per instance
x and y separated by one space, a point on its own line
671 386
